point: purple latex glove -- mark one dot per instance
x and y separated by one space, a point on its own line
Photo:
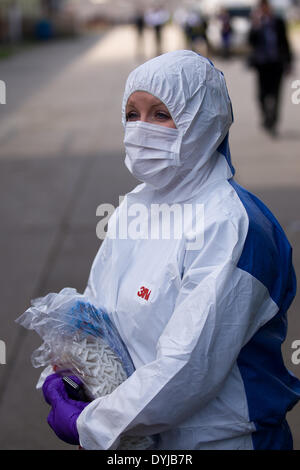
65 411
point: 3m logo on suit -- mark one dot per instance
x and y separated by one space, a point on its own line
144 293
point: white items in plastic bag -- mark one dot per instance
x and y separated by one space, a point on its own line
81 339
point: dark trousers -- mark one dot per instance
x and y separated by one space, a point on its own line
158 30
269 86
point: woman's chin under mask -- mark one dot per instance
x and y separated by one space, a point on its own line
151 172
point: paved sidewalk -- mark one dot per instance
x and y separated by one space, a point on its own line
61 156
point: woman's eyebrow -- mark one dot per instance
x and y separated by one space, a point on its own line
132 105
159 104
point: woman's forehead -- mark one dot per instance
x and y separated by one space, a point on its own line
143 97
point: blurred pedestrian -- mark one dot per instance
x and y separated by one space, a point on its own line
195 28
15 19
157 18
139 22
2 26
226 32
271 57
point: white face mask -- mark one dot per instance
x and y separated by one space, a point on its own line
152 152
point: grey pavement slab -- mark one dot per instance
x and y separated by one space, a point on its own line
26 73
61 156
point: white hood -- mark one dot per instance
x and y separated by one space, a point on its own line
196 95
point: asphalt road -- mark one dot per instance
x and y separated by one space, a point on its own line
61 156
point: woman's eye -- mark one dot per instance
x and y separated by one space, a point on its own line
161 115
131 116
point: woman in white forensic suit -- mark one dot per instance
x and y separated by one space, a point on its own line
203 315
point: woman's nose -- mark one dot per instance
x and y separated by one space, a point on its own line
144 117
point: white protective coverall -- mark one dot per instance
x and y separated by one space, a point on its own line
204 326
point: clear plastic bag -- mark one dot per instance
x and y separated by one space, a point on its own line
78 338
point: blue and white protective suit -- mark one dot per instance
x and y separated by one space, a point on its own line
204 326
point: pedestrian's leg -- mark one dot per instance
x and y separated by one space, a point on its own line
262 94
271 79
276 94
139 49
158 40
